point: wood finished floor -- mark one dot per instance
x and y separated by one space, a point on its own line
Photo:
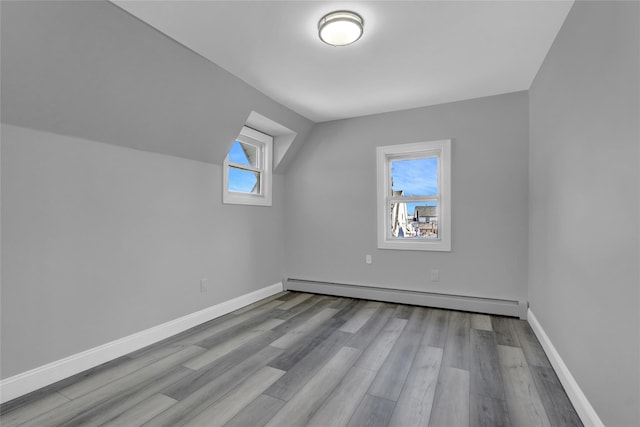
297 359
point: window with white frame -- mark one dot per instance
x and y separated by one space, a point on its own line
414 196
247 169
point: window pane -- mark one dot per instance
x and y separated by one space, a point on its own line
415 177
414 220
244 154
243 181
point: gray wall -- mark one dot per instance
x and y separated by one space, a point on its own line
99 238
91 70
331 200
101 241
584 195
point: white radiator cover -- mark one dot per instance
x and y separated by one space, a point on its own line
501 307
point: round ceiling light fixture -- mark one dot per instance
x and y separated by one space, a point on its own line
340 28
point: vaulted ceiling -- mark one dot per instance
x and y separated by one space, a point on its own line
412 54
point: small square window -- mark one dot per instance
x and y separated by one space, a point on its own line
247 169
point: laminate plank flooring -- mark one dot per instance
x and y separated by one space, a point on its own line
505 333
554 399
377 352
485 365
485 411
523 400
457 352
451 402
533 352
372 412
360 318
299 359
414 405
142 412
24 413
340 406
232 403
301 407
436 333
257 413
128 400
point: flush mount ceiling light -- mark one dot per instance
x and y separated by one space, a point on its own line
340 28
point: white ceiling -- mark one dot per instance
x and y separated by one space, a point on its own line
412 53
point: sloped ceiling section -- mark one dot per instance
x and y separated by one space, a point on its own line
412 53
91 70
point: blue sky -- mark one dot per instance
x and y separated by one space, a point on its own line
240 180
236 154
417 177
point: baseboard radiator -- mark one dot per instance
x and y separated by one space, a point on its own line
428 299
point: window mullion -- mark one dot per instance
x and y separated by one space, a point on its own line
413 199
245 167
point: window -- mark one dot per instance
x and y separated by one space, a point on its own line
414 196
247 169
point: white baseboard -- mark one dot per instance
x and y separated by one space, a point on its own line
430 299
584 409
50 373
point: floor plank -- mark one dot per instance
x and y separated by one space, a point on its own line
291 337
75 408
143 412
32 410
505 333
375 355
390 379
198 400
96 381
363 338
303 310
120 403
316 337
531 348
231 404
481 321
485 411
197 379
403 311
435 334
227 346
554 399
297 299
523 401
485 365
212 329
361 317
457 351
393 372
280 296
416 399
340 406
301 407
373 411
257 413
451 402
298 375
29 398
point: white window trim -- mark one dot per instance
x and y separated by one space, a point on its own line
265 142
386 153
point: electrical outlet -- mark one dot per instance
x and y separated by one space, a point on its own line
435 275
368 259
204 285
